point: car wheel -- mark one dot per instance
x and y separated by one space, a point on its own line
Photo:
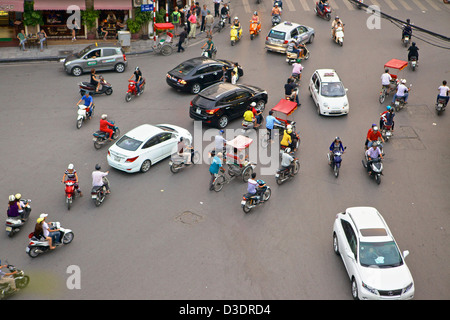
77 71
311 39
318 110
196 88
120 67
146 166
355 289
222 122
335 244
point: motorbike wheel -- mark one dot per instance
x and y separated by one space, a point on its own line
267 194
22 283
34 252
247 173
382 97
336 171
98 200
377 179
69 203
128 97
252 36
397 108
279 181
174 168
116 134
328 16
232 42
218 183
196 157
79 123
97 144
68 237
109 91
247 207
296 167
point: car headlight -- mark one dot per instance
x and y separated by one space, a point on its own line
346 104
370 289
325 104
407 288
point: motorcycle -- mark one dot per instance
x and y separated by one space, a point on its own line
20 278
339 36
206 54
177 163
82 114
98 194
13 224
358 3
70 192
235 35
38 245
386 132
106 87
100 137
132 91
250 201
326 13
399 103
255 29
291 57
223 21
440 105
413 63
406 39
276 19
283 174
335 160
374 167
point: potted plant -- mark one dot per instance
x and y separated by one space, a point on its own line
134 26
32 18
89 18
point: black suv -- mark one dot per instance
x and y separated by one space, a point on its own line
197 73
223 101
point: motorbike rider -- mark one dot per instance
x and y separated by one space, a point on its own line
335 145
387 118
6 279
322 4
276 11
138 79
95 81
249 115
237 25
225 11
99 178
407 30
257 114
386 79
88 102
335 24
373 136
14 207
293 47
286 161
253 187
413 51
402 92
373 153
54 234
71 175
255 18
443 92
286 141
270 121
289 91
105 126
209 45
182 151
297 69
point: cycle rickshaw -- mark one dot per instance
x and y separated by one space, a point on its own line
396 65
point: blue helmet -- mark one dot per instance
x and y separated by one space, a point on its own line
388 108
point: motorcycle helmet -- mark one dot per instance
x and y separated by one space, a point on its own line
289 127
236 18
413 43
70 167
255 13
388 108
221 131
11 198
287 150
403 81
337 18
337 139
375 128
18 196
253 104
104 116
97 167
137 69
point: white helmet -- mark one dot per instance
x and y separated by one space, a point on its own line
403 80
11 198
253 104
70 167
104 116
287 150
289 127
236 18
375 128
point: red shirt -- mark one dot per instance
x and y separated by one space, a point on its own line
372 135
104 125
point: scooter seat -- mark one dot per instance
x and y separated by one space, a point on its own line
100 134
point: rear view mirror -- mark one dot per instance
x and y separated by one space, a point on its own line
405 254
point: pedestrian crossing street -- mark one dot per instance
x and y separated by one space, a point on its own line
308 5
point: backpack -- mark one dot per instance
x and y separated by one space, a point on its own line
176 17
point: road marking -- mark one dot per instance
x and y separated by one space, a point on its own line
375 3
405 5
290 5
349 5
421 7
246 6
304 5
391 5
435 7
333 5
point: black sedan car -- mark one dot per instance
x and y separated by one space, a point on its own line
197 73
223 101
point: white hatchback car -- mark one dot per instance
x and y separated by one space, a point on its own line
142 147
328 93
376 267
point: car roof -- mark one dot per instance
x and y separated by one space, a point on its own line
143 132
369 223
200 60
328 75
285 26
218 89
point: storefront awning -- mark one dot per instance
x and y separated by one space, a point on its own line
11 5
112 4
58 4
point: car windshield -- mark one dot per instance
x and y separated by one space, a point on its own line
332 89
379 254
183 68
128 143
83 52
204 102
277 34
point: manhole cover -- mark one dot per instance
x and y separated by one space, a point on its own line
189 217
405 132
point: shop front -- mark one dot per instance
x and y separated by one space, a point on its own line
10 21
58 16
113 15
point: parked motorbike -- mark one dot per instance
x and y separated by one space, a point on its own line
70 192
105 87
13 224
82 114
235 35
250 201
177 162
132 90
20 278
413 63
38 245
255 29
440 105
325 13
100 137
283 174
98 194
222 21
386 132
374 167
339 36
335 160
291 57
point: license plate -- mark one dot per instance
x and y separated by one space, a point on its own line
8 229
277 175
117 159
243 202
94 139
199 111
94 196
397 103
170 163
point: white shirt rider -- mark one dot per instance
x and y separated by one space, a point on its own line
385 79
401 90
97 178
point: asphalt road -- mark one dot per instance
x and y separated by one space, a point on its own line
165 236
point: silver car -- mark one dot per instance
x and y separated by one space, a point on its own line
99 56
280 35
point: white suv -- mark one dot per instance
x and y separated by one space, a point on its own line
376 267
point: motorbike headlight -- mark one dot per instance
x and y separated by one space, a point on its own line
370 289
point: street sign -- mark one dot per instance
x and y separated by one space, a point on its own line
147 7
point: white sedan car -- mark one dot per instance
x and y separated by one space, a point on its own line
328 93
142 147
376 268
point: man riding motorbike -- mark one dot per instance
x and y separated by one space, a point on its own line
402 91
276 11
335 24
322 3
443 92
297 69
71 175
336 144
97 178
88 102
287 161
105 126
407 30
373 153
209 44
413 51
138 79
373 135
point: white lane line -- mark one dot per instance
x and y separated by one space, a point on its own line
420 5
246 6
333 5
305 5
435 7
290 5
391 5
405 5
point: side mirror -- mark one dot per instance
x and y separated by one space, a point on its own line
405 254
346 89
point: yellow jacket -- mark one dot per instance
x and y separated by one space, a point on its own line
287 140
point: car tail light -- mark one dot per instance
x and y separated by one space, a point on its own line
285 42
131 159
7 222
124 57
267 38
191 104
212 111
109 153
